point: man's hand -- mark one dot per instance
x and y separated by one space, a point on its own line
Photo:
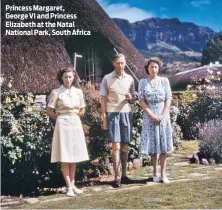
131 99
128 96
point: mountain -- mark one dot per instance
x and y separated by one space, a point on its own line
156 33
170 39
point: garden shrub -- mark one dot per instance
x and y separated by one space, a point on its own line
177 134
137 127
26 134
211 140
200 103
98 146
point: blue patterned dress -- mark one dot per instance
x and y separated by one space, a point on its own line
155 138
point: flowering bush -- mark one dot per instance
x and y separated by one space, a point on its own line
177 134
211 140
98 147
201 102
174 111
137 128
26 134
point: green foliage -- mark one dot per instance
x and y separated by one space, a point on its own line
213 50
177 134
201 102
25 146
98 147
200 108
211 136
137 128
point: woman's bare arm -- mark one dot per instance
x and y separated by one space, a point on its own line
81 112
51 113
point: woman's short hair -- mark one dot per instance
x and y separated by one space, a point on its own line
68 69
156 60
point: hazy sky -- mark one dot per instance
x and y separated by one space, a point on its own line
200 12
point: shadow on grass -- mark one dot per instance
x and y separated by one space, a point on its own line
130 182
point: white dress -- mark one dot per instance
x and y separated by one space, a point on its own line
68 143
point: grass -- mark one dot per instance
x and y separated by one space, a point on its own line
189 147
197 193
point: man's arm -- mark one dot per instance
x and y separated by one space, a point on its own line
131 96
103 93
104 110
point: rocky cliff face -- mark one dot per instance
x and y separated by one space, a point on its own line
165 35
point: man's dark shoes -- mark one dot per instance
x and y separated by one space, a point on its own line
126 180
117 183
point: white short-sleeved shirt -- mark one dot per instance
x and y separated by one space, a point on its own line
64 101
115 89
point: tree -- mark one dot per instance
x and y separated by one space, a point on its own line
213 50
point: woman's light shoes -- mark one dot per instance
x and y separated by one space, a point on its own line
164 180
70 192
76 190
73 191
156 179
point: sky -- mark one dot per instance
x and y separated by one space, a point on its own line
201 12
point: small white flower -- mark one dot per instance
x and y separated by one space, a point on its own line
209 71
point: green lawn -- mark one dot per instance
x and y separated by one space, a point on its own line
195 194
189 147
203 190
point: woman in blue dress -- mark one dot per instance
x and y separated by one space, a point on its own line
155 99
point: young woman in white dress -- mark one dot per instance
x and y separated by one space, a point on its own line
66 105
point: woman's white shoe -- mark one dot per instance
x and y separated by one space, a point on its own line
76 190
70 192
165 180
156 179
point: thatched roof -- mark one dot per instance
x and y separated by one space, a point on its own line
182 79
32 61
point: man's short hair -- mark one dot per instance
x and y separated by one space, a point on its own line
118 55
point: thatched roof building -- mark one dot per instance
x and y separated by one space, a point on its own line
33 61
182 79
